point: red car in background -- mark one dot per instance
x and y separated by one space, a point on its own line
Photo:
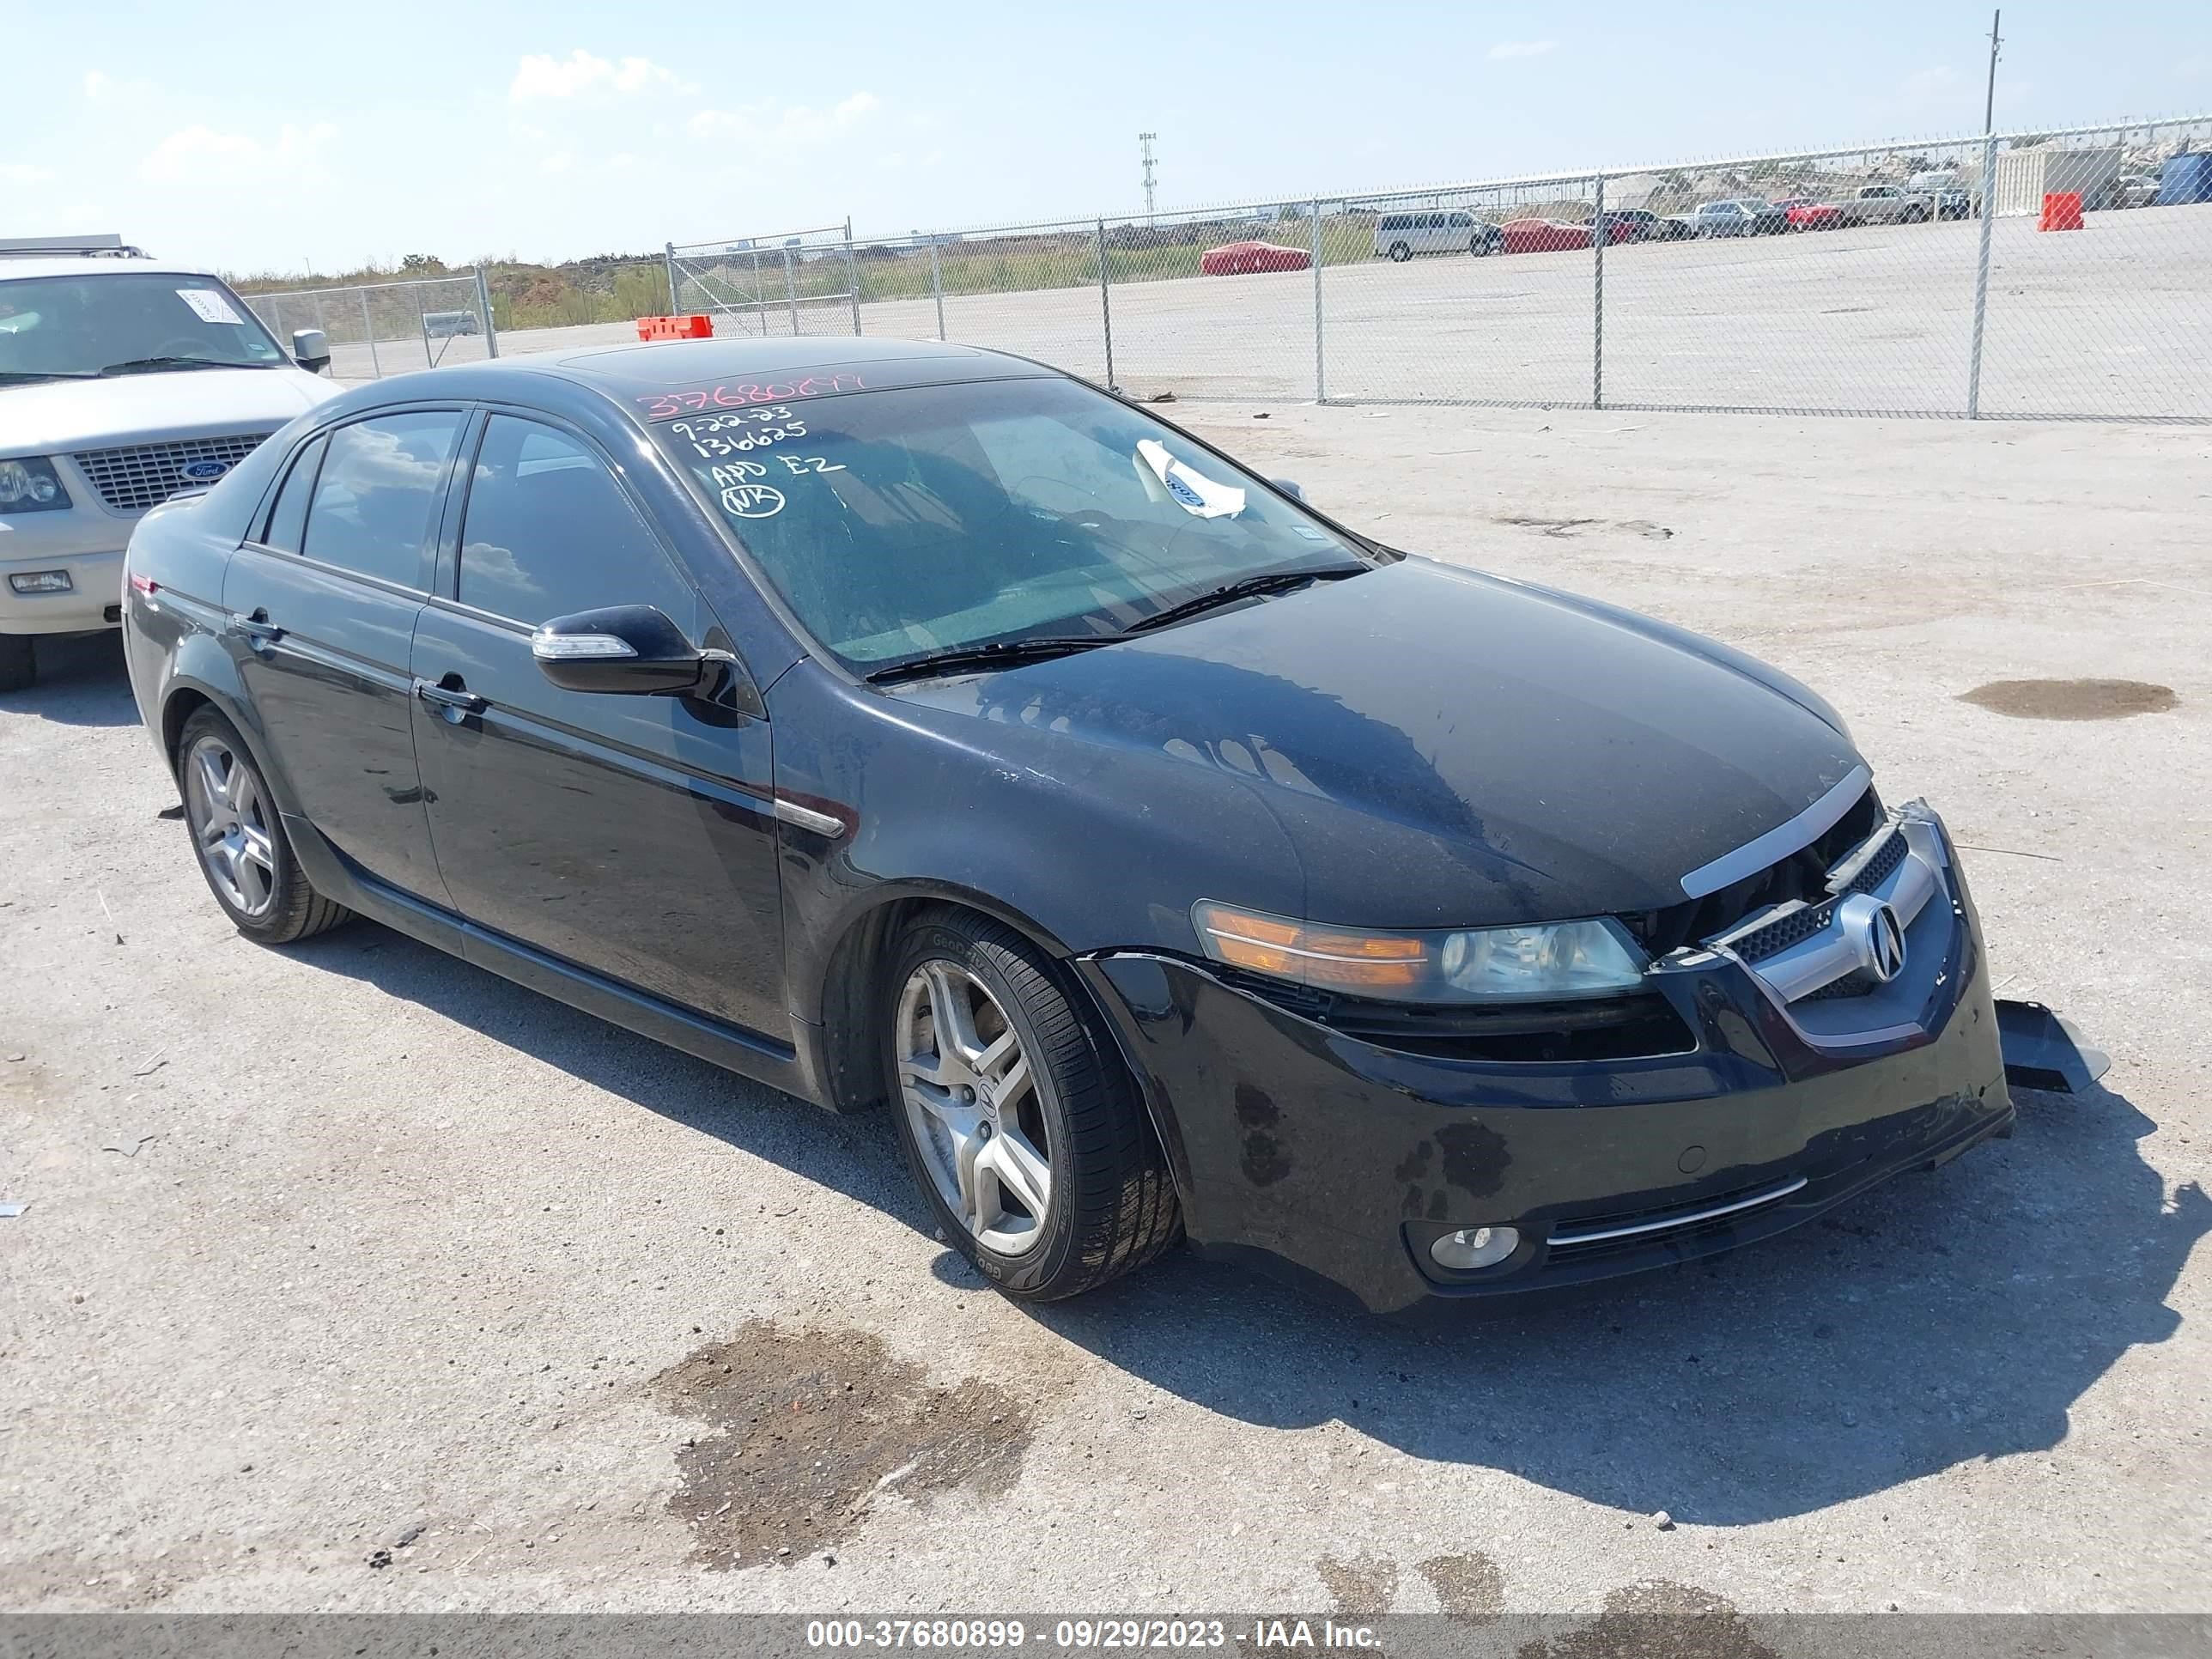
1543 236
1237 259
1806 214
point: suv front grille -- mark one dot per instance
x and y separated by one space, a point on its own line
139 476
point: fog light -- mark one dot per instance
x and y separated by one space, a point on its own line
41 581
1474 1247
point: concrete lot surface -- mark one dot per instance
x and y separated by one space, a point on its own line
355 1278
2111 320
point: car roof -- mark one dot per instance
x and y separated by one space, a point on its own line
635 375
100 266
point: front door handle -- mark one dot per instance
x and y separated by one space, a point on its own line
258 630
452 697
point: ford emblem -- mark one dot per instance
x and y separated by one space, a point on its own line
203 471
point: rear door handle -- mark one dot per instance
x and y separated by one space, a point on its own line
440 696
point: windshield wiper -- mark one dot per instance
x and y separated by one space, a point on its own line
47 374
997 654
1272 581
145 365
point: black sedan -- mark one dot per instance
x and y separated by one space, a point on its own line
911 726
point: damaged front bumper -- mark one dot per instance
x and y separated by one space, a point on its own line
1339 1157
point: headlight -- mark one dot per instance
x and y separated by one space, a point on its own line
31 485
1480 964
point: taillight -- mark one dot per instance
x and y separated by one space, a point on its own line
144 585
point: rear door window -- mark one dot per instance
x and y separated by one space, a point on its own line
376 498
289 518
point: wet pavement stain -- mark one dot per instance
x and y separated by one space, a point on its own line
1657 1620
2071 700
1469 1588
1363 1588
805 1428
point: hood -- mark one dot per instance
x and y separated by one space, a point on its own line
1443 748
45 417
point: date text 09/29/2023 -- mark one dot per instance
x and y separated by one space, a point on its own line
1087 1635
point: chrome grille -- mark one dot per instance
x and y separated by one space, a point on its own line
139 476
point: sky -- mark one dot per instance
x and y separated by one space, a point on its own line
314 139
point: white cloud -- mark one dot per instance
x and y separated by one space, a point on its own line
1506 49
101 88
199 153
22 172
583 78
98 85
784 127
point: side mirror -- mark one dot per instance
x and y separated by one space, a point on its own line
1289 487
311 349
628 648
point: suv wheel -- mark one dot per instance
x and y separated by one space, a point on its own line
1401 252
240 839
19 662
1479 247
1022 1126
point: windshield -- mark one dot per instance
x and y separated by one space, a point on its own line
111 322
903 523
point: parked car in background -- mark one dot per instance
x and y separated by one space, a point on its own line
123 380
1542 236
1630 224
1424 1007
1885 205
2132 190
1803 213
1738 218
1674 228
1240 259
444 324
1400 236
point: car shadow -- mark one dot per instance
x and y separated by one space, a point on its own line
82 682
1947 1317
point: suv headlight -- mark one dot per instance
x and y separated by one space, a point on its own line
31 485
1541 960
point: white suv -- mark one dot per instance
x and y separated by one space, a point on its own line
122 381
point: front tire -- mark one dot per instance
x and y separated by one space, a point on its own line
19 662
238 838
1021 1124
1400 252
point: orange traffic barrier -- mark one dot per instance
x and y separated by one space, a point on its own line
2061 210
675 328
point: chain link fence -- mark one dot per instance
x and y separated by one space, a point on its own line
1931 278
389 328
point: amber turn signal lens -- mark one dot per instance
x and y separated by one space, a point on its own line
1330 959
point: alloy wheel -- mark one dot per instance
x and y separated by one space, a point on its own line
970 1096
229 818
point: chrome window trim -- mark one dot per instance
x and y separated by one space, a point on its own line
1780 842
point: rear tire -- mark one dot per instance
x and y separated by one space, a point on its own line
19 662
1400 252
1021 1124
239 840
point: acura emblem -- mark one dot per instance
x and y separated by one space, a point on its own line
1875 935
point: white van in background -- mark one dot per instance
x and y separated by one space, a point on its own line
1434 230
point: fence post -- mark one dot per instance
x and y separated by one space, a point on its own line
937 283
1982 275
483 304
1320 381
368 329
790 294
422 322
852 273
675 304
1106 308
1600 233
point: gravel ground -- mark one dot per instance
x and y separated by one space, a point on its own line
355 1278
